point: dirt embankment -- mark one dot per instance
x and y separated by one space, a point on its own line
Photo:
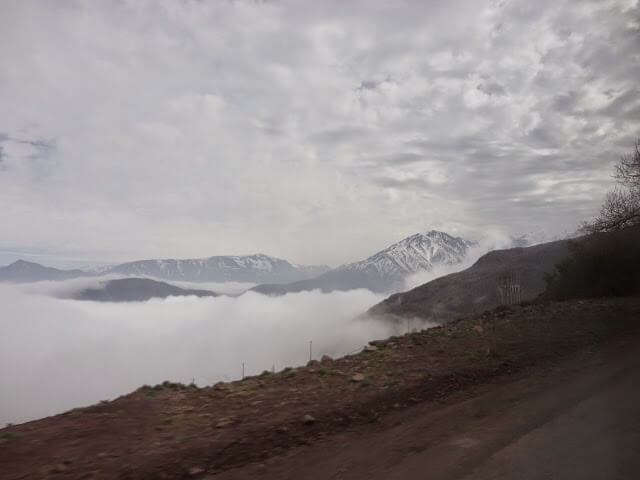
175 432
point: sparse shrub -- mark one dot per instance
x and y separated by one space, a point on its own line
175 386
265 373
600 265
8 435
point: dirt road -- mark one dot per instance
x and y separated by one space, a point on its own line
576 419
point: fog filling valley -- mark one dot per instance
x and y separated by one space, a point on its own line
58 354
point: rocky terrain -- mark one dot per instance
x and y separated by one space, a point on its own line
254 426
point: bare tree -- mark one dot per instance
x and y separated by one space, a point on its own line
628 170
621 207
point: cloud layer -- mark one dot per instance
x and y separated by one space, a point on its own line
59 354
139 129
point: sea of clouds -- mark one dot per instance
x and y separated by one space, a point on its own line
57 354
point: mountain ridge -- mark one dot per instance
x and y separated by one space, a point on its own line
135 290
221 268
23 271
257 268
384 270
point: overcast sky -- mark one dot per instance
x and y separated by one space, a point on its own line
315 131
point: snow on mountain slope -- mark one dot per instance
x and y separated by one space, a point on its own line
386 270
248 268
417 253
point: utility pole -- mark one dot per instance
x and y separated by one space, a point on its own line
310 349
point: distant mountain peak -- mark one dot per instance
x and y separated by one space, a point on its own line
416 253
24 263
387 269
25 271
419 252
254 268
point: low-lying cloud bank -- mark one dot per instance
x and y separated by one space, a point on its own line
67 288
58 354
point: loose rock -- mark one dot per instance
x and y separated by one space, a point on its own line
195 471
225 422
358 377
308 419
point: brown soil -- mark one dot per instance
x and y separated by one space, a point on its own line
175 432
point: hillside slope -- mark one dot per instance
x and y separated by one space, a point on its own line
477 288
136 290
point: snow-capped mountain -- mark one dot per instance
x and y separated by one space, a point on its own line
248 268
417 253
386 270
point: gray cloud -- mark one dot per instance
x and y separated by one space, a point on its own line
367 85
194 128
3 138
492 88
